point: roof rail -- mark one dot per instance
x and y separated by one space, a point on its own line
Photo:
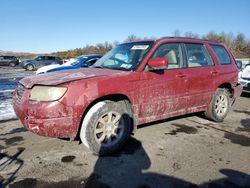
169 37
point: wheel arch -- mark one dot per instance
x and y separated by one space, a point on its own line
110 97
227 86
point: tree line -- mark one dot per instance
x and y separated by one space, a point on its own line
238 44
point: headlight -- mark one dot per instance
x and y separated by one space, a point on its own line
47 93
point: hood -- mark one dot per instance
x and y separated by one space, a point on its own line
60 77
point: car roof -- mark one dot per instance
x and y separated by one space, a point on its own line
178 39
187 39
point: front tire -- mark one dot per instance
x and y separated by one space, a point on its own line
219 106
29 67
106 127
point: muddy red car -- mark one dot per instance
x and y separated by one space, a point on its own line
133 84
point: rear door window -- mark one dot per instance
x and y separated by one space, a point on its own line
222 54
197 55
50 58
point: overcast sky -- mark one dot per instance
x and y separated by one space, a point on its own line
53 25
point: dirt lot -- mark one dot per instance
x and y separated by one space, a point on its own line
188 151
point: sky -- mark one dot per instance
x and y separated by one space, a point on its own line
43 26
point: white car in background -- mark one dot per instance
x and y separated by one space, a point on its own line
244 78
48 67
79 62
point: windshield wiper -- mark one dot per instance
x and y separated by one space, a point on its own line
99 67
120 68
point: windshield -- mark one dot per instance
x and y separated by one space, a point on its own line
124 56
38 58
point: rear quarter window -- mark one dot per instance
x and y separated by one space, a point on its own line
222 54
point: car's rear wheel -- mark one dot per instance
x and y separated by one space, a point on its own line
29 67
219 106
106 126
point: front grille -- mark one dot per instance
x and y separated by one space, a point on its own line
19 92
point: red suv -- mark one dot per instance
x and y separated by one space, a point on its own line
134 83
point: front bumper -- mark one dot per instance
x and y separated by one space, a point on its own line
52 119
246 85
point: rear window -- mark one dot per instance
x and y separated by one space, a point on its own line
221 54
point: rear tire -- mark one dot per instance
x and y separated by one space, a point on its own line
219 106
106 127
29 67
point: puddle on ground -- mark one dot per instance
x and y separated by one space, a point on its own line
68 159
91 182
13 131
243 129
13 140
246 124
182 129
238 139
242 111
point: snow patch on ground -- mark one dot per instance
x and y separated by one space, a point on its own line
6 110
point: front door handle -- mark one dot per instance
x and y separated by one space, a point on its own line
181 75
214 72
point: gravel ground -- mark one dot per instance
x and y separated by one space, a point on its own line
187 151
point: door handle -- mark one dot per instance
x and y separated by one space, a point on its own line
181 75
214 72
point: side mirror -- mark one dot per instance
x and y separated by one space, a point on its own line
157 63
239 65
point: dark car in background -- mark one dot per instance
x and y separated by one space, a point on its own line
9 61
41 61
78 62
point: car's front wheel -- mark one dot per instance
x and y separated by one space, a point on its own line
30 67
219 105
106 126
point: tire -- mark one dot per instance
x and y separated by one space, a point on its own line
12 64
29 67
106 127
219 106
